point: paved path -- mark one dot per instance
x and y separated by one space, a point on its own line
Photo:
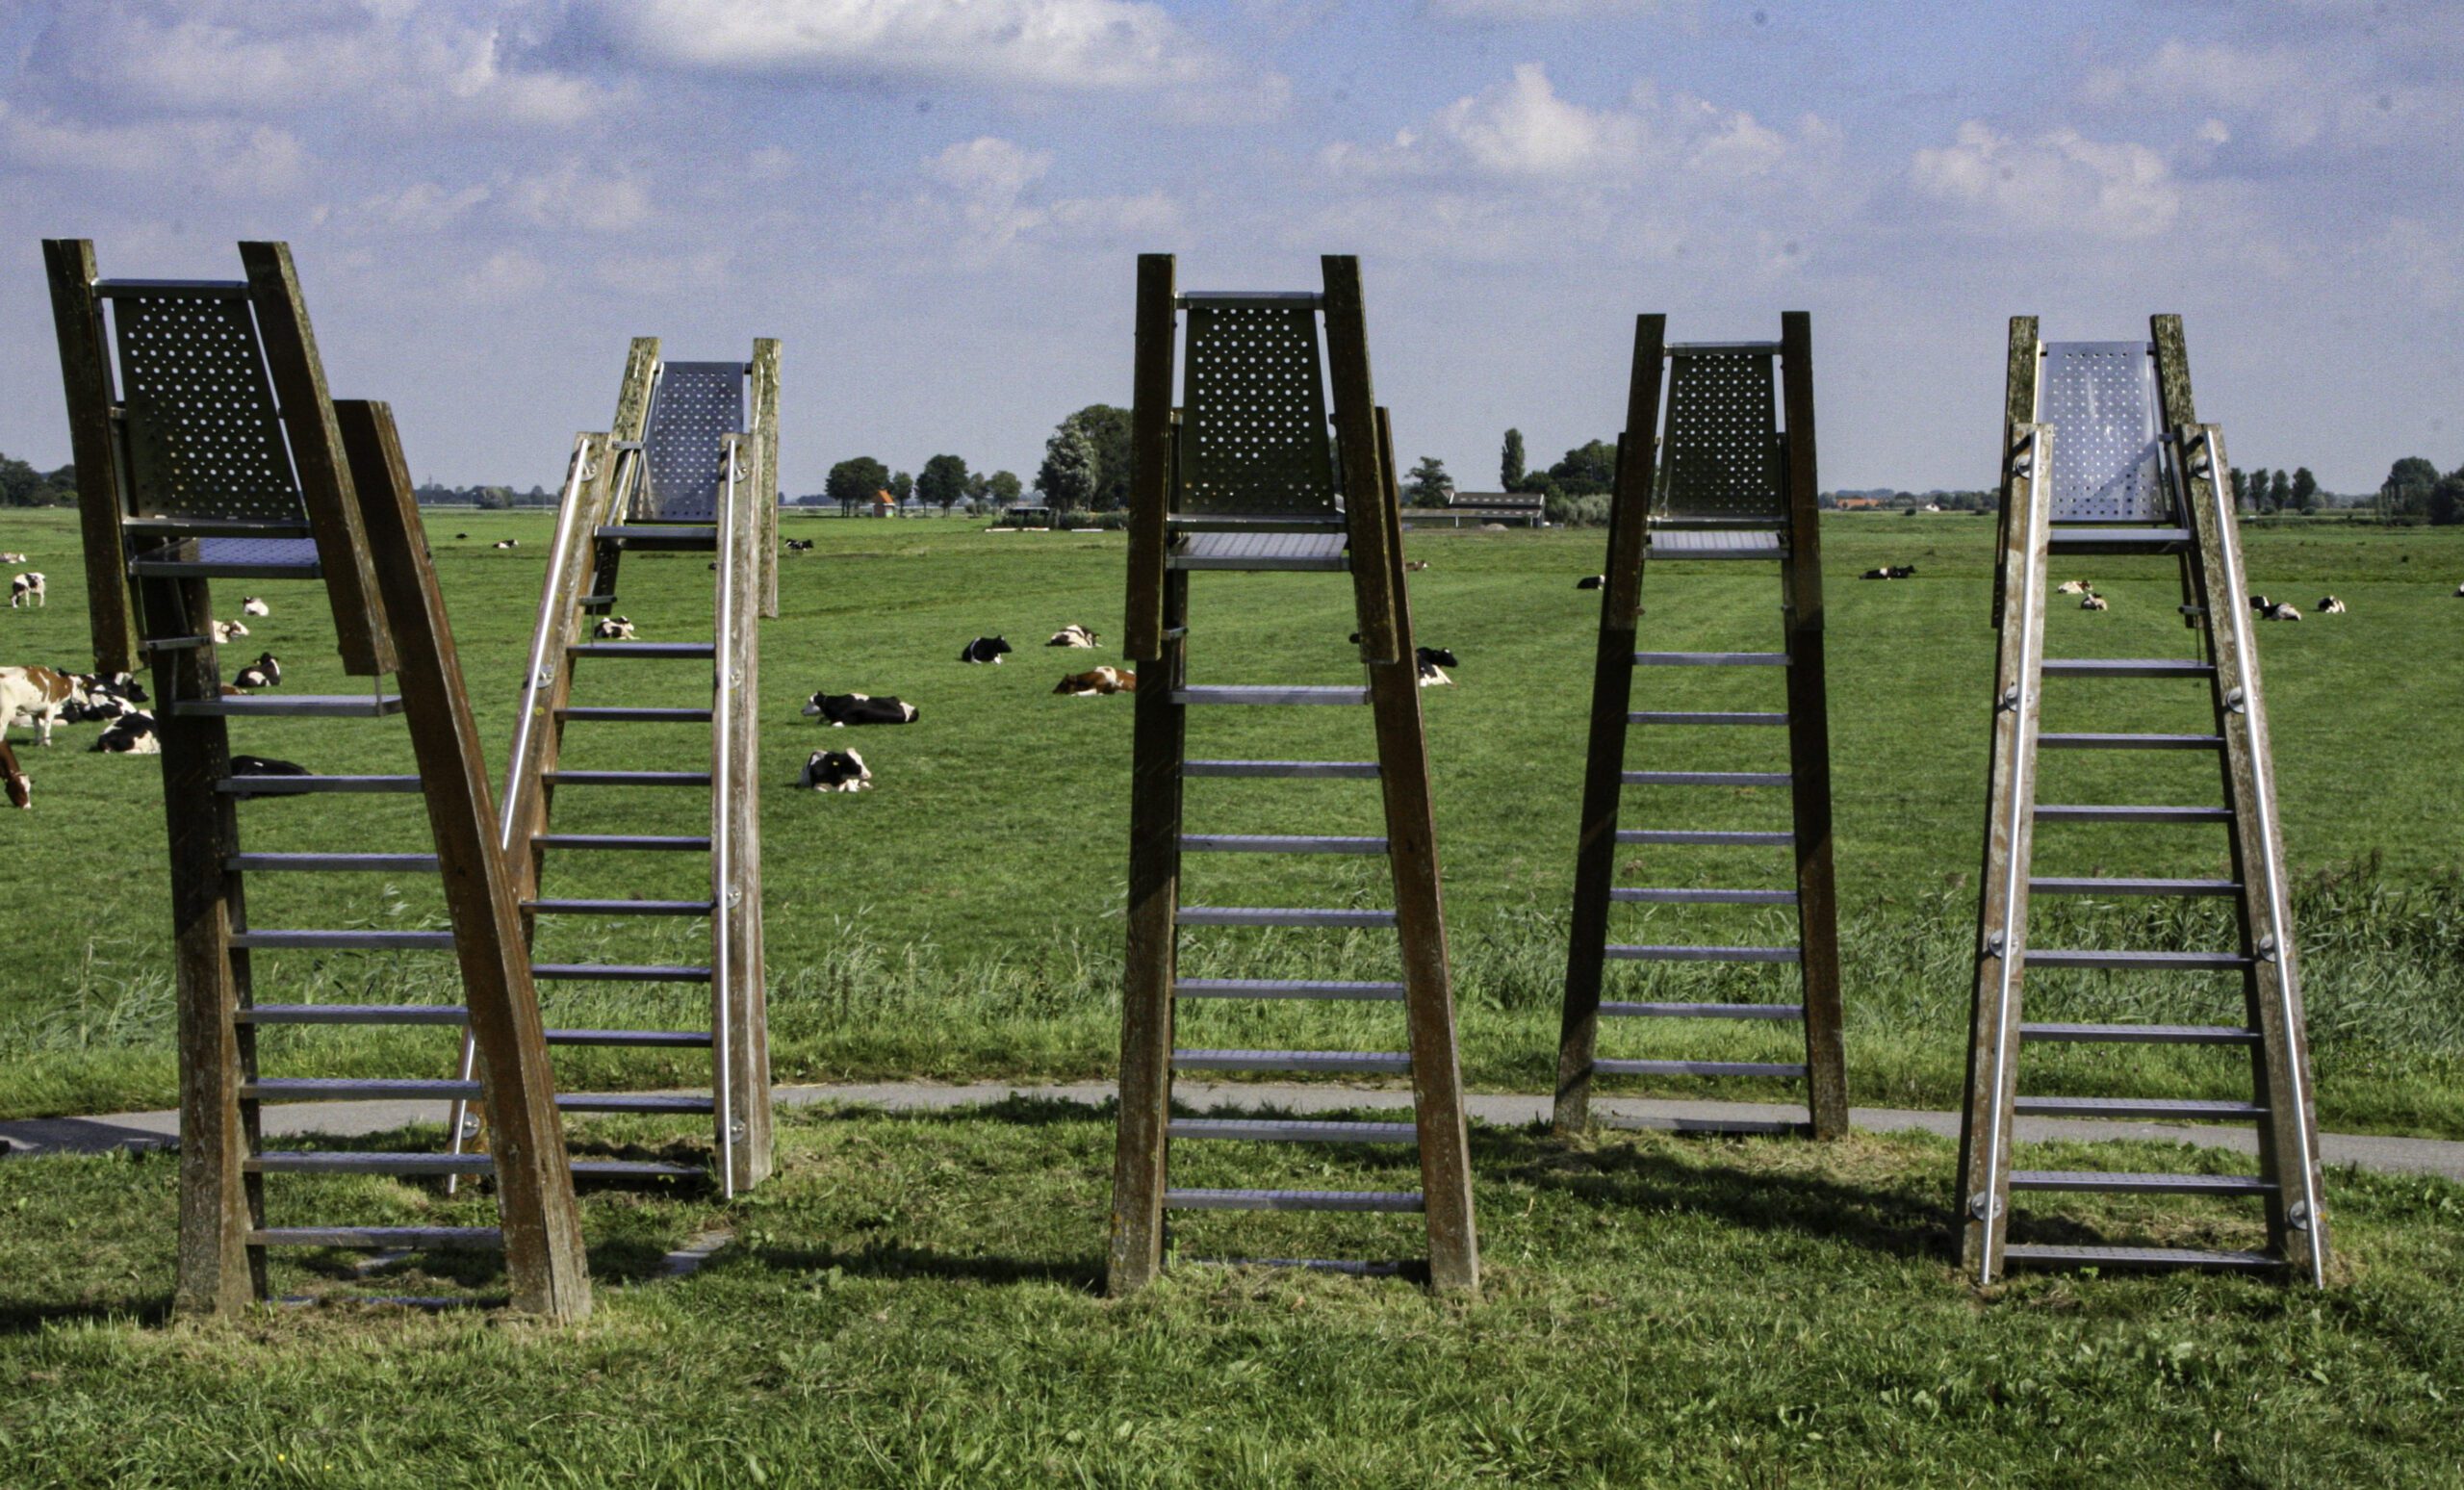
2444 1157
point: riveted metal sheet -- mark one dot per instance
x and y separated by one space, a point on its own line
1253 433
696 405
2100 397
1716 542
1721 459
204 440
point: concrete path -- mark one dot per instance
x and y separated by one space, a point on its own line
37 1136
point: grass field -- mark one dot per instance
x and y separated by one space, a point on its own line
963 918
911 1302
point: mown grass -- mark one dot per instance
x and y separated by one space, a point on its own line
914 1302
963 918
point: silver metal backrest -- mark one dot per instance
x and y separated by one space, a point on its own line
204 440
2100 397
1721 459
695 406
1254 421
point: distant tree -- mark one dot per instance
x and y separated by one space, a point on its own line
853 482
1428 485
942 483
22 485
901 486
2305 489
2446 502
977 484
2241 490
1068 475
1004 486
494 498
2408 487
1510 460
2279 492
1107 429
1587 471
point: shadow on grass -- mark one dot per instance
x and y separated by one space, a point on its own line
23 1316
903 1260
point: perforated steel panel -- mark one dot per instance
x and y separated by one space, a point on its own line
695 405
2100 397
203 438
1721 459
1253 433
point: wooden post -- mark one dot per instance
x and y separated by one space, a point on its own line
2018 411
1365 484
1151 441
1612 684
738 999
317 455
628 471
765 483
541 1224
1810 744
86 373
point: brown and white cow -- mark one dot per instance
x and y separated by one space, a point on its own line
254 606
27 590
21 788
39 696
1097 680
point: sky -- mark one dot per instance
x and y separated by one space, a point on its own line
937 204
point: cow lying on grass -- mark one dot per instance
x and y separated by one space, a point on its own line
2329 605
224 631
1890 572
1072 636
836 770
254 606
263 673
2073 587
2093 601
1431 663
611 629
130 735
983 648
859 708
1097 680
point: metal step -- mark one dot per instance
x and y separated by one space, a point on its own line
2099 884
2076 741
1362 770
1286 988
628 778
2069 813
1270 843
572 713
1704 1010
620 907
642 649
334 1163
1667 954
1292 1200
644 842
1704 778
2139 1257
2140 962
2137 1107
301 785
643 537
2118 540
1716 543
1704 897
1234 916
1711 659
1307 551
1718 837
2120 1184
330 864
634 1102
226 569
382 1238
2140 1034
2127 667
295 706
1699 1068
1310 695
617 972
1292 1130
331 1088
347 940
352 1014
634 1040
1684 716
1320 1060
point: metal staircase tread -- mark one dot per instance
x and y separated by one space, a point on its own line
619 972
2135 1184
634 1040
327 1089
1394 1061
1293 1130
628 778
2141 1034
2177 962
350 1013
2131 812
1697 954
2098 741
1780 1068
2069 1256
649 536
1276 843
312 863
647 842
300 786
2104 885
294 706
642 649
2137 1107
1286 988
1635 1011
2127 667
336 1162
620 907
1292 1200
347 940
1364 770
2065 539
633 1102
1278 916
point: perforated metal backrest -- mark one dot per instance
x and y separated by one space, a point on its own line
1721 457
204 440
2100 397
1253 421
695 406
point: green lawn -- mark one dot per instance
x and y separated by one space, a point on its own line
912 1301
963 918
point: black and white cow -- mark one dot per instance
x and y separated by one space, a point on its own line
1890 572
508 543
2282 610
1432 663
611 629
836 770
254 606
2329 605
263 673
130 735
1073 635
800 546
27 589
983 648
2093 601
2262 604
857 708
1591 581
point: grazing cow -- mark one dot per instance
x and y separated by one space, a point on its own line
983 648
224 631
2282 610
611 629
800 546
1413 566
132 735
39 696
507 543
27 590
2073 587
1073 635
1591 581
1890 572
1432 663
1097 680
2093 601
253 605
859 708
836 770
2329 605
21 789
263 673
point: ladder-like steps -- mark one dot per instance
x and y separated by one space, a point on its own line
1704 778
628 778
347 940
294 706
2100 884
2140 962
2127 667
1292 1200
382 1238
331 864
634 1040
2069 813
1270 695
1657 896
1685 716
644 1102
1676 954
2127 1184
302 786
1272 843
618 972
1287 988
615 713
1715 837
340 1089
1635 1010
1711 659
1362 770
1261 915
2140 1034
2094 742
1319 1061
620 907
1699 1068
1283 1130
350 1013
625 842
2135 1257
2183 1108
642 649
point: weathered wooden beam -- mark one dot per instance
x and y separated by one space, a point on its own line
2018 411
86 378
1150 452
540 1222
764 378
739 1002
1355 415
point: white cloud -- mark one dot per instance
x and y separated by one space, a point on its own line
1541 10
238 160
573 196
2060 180
1067 44
990 188
506 274
422 207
